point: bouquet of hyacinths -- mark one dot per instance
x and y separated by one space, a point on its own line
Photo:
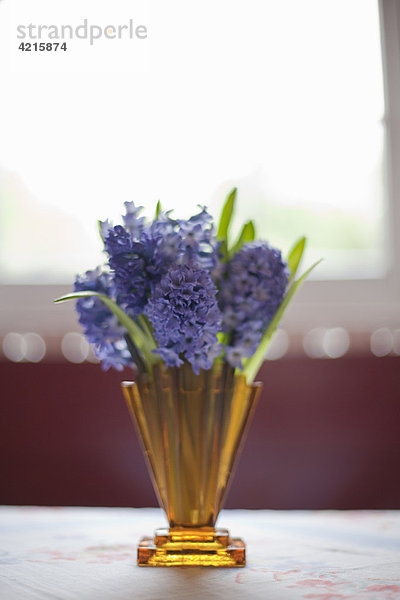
177 291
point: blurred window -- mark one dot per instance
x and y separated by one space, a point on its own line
282 99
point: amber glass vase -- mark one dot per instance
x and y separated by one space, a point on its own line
191 428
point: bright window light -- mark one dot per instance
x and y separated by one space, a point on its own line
283 99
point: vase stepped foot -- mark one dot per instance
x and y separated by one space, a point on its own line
175 548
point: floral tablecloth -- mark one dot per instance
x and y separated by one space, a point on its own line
89 554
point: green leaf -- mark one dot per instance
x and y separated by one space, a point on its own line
247 234
294 257
220 337
226 216
147 327
99 229
143 342
250 232
254 363
158 209
223 251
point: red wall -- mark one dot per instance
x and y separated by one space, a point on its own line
326 435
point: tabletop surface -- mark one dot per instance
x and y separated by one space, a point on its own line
90 554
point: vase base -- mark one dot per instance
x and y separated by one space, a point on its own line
191 547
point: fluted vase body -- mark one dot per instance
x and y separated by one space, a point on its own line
191 428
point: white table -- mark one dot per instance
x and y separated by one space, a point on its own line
90 554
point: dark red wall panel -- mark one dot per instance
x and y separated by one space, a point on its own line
326 434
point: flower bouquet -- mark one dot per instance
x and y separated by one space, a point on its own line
192 313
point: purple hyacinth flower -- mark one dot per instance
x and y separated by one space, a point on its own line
140 256
252 286
100 326
132 222
185 317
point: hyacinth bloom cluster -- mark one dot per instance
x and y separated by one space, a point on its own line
252 287
184 313
143 260
100 325
139 256
175 291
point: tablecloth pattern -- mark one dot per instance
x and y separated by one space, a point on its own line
90 554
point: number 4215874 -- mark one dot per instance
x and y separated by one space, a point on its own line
42 46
